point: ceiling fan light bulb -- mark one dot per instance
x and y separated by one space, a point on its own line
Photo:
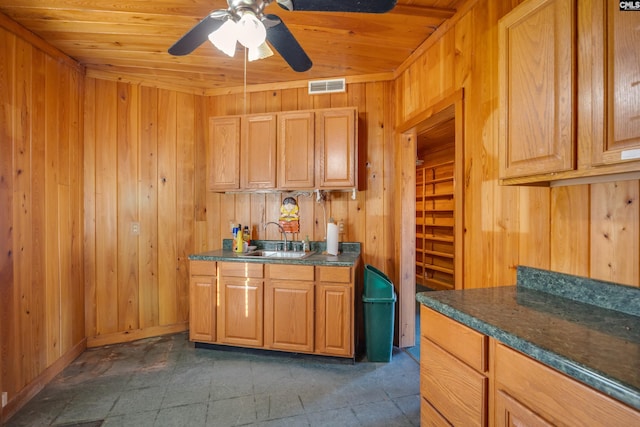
225 37
251 31
260 52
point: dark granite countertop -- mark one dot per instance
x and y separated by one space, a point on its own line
587 329
349 253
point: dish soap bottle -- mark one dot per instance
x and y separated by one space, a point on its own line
239 242
306 245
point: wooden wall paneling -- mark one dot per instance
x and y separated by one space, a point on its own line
306 207
289 99
243 209
227 216
127 125
185 197
23 214
148 263
167 208
389 186
357 214
75 299
106 214
615 232
43 289
570 229
51 144
200 176
257 217
7 314
535 227
89 207
374 238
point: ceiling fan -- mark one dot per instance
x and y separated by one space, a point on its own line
245 22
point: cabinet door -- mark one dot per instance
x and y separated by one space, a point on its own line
511 413
223 153
289 322
611 63
537 88
336 148
334 319
240 311
258 168
296 150
202 309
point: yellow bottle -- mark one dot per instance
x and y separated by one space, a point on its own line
239 241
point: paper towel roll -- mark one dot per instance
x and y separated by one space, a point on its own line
332 238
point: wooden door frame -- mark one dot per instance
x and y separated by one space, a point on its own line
406 205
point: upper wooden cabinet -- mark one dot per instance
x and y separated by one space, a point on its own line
569 91
296 150
609 80
223 153
258 152
336 148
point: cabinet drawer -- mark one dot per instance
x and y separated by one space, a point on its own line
241 269
334 274
429 417
202 268
290 272
554 396
463 342
458 392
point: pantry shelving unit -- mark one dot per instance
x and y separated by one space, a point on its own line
435 221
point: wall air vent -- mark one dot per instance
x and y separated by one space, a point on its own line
327 86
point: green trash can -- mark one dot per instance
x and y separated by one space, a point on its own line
379 299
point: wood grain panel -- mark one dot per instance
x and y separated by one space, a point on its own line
127 205
167 209
40 198
615 231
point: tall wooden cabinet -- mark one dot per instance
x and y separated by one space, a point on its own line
569 97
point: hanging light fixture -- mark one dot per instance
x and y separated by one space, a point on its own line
248 30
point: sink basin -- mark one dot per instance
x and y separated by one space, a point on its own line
278 254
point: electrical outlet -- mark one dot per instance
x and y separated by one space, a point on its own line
135 228
341 227
5 399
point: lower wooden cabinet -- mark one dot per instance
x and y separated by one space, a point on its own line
529 391
285 307
202 301
334 311
456 370
289 303
240 310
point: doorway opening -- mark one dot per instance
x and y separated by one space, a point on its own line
432 210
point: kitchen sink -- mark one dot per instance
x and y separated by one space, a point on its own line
277 254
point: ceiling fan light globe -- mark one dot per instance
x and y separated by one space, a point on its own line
251 31
225 37
260 52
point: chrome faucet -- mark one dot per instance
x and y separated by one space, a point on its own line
281 230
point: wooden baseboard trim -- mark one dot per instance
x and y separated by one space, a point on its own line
35 386
135 334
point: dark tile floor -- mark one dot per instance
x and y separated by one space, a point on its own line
165 381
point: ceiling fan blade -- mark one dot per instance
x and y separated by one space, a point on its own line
363 6
199 33
287 46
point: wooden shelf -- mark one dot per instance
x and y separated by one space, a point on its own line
435 210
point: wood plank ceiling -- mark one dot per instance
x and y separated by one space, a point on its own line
130 38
